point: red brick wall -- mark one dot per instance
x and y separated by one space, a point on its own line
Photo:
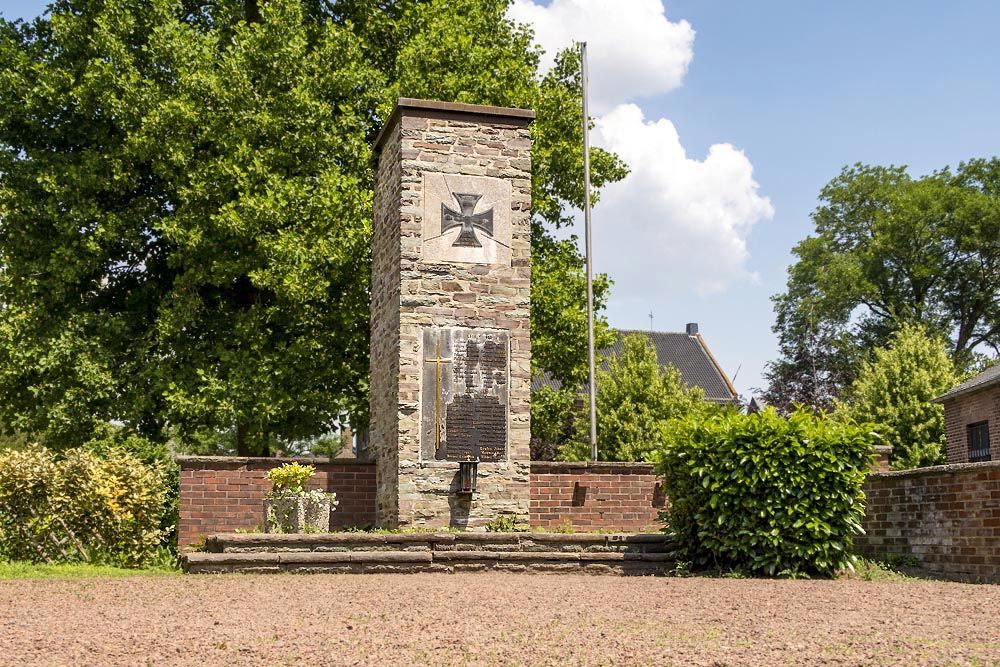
947 517
970 409
222 494
595 496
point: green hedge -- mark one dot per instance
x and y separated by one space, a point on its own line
51 506
764 494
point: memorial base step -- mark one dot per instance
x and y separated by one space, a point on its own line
445 552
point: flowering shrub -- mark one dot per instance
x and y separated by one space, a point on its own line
79 507
290 507
289 479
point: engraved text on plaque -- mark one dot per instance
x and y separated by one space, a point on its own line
464 394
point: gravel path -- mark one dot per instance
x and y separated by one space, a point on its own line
494 619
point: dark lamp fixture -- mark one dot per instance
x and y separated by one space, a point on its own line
467 477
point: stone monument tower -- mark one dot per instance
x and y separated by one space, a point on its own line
450 308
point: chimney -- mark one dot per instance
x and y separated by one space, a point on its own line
692 329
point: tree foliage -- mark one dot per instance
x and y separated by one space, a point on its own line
636 396
894 391
889 249
185 202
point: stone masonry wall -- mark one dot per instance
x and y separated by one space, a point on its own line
455 140
970 409
385 341
222 494
947 517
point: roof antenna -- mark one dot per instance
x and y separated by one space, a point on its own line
651 321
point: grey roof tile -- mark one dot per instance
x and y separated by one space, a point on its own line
984 380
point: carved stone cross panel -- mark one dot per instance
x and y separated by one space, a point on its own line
466 219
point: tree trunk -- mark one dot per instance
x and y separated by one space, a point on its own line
242 447
252 11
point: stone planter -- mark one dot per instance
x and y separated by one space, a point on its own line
297 514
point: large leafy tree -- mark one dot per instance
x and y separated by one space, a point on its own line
185 201
888 250
894 391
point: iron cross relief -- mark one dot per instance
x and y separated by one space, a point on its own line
467 219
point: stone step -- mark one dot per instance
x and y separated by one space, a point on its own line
441 541
446 561
617 553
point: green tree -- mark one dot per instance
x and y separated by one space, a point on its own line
888 250
817 359
894 391
636 396
559 340
185 202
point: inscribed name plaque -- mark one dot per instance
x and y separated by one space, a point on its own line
464 391
466 219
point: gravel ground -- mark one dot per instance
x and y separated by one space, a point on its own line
494 619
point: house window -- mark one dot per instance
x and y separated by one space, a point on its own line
979 442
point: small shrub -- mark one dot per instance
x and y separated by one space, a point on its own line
505 523
290 507
765 494
289 479
103 510
155 454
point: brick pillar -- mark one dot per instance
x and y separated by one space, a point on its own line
451 283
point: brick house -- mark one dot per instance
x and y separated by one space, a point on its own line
972 417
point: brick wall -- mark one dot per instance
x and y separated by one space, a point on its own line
223 494
959 412
947 517
595 496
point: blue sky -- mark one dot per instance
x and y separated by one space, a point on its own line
801 89
804 88
736 114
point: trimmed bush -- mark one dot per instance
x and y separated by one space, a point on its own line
764 494
156 455
79 507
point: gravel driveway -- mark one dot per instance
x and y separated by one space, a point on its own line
494 619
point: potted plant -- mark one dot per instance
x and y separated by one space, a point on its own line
290 508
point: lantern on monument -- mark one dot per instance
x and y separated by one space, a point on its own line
467 477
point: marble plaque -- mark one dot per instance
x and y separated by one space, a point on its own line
464 388
466 219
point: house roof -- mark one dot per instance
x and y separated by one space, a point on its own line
988 378
688 353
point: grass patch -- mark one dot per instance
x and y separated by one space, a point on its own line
22 570
875 570
163 563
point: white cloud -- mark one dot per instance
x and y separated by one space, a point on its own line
674 223
633 50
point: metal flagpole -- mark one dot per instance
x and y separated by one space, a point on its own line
590 267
